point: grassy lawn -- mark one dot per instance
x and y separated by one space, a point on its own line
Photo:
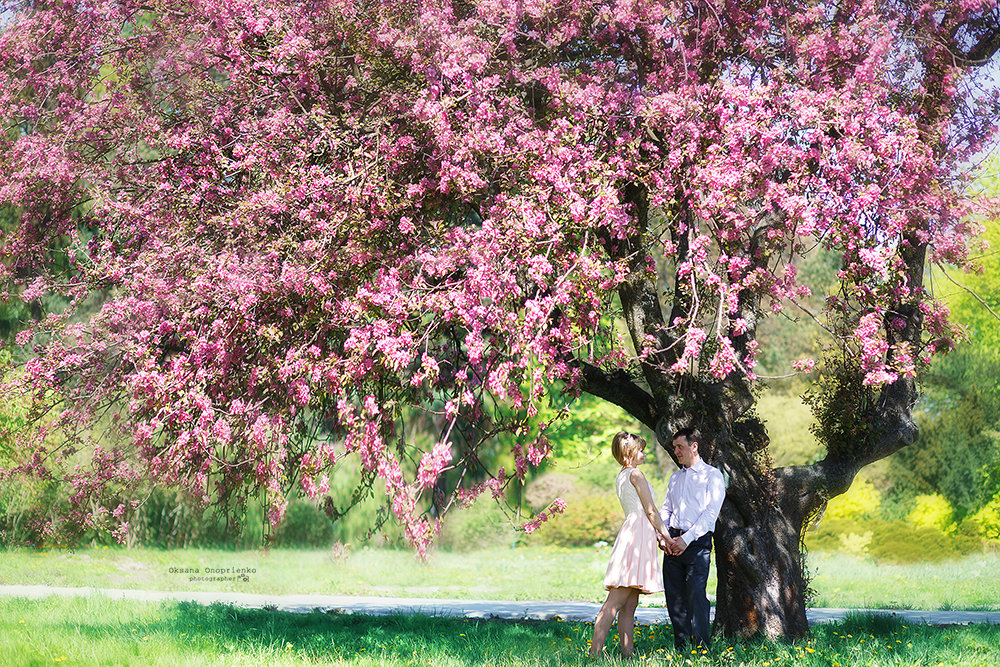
524 573
98 631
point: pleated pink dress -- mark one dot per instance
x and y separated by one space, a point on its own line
635 558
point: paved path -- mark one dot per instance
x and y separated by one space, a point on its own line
502 609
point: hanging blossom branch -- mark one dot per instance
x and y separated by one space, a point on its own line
304 220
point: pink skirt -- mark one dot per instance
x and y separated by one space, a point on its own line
635 558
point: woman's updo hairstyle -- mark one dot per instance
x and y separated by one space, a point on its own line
625 446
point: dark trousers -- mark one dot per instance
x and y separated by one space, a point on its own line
685 578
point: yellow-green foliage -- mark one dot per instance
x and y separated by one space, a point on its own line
788 420
839 535
987 520
855 544
585 432
850 525
889 541
861 500
903 542
933 511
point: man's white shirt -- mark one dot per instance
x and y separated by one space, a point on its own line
693 500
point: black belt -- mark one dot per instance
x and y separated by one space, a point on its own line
677 532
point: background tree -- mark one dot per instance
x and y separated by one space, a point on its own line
959 451
312 215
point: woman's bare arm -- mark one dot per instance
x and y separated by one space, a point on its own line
638 480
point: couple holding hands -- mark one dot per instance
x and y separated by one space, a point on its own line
682 529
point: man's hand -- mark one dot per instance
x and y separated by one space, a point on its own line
676 546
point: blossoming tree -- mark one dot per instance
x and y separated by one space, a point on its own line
306 219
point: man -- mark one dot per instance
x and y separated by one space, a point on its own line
694 498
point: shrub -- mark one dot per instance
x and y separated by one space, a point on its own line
933 511
24 512
304 525
860 501
987 520
891 541
589 517
167 519
835 534
481 526
902 542
540 492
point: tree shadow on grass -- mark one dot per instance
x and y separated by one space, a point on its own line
395 638
188 630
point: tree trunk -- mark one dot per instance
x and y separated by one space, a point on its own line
761 589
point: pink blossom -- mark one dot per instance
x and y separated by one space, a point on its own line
804 365
444 215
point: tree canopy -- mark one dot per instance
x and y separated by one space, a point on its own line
310 216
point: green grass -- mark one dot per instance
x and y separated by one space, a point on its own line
99 631
528 573
523 573
842 580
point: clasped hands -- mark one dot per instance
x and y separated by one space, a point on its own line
673 546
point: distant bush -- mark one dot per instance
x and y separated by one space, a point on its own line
304 525
540 492
481 526
589 517
902 542
24 512
933 511
986 522
833 533
890 541
860 501
169 519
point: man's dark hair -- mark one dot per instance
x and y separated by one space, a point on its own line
690 434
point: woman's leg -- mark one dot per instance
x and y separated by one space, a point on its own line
617 597
626 621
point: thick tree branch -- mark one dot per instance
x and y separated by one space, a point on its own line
619 388
890 423
981 53
640 305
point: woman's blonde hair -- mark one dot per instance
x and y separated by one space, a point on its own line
625 446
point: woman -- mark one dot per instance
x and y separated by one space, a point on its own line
634 567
